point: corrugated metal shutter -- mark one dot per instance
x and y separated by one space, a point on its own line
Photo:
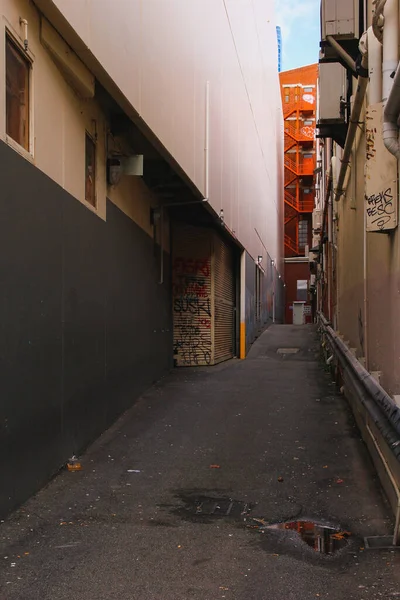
224 301
191 271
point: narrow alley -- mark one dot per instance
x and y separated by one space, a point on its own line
174 501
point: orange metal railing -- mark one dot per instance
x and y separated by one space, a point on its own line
299 168
299 132
289 243
303 204
297 104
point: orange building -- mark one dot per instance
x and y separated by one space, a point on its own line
298 89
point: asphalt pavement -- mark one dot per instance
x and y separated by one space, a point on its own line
176 501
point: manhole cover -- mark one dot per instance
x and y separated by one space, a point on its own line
287 350
321 538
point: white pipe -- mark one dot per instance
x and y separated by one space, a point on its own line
390 46
207 144
390 116
391 87
365 282
374 68
273 297
378 19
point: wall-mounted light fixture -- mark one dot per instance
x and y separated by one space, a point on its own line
124 165
221 215
24 25
259 260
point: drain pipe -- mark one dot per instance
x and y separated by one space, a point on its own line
354 119
375 69
391 87
390 46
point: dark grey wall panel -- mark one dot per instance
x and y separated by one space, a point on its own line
30 327
84 327
139 328
84 301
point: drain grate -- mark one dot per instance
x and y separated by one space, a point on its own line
287 350
222 508
380 542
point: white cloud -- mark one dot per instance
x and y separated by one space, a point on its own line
295 14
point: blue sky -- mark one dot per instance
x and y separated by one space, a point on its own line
299 21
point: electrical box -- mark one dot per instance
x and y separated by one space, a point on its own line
340 18
316 220
331 90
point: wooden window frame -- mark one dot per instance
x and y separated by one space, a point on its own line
91 201
25 147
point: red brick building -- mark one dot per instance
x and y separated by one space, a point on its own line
298 88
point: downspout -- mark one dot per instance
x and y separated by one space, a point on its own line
328 188
354 120
391 87
390 46
333 171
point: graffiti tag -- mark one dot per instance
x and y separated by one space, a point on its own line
380 208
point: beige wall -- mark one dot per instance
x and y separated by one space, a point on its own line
160 55
350 224
60 118
375 324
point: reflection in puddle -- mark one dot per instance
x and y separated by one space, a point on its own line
321 538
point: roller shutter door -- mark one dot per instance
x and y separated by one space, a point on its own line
192 301
224 300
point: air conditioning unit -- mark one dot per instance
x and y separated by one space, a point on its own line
331 89
317 220
341 19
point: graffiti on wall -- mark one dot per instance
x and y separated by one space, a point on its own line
308 132
381 193
380 208
192 311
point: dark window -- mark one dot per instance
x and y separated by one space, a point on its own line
302 285
17 94
303 233
90 170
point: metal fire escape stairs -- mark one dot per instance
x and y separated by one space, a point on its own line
295 136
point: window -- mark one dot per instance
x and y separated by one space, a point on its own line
287 94
90 170
302 290
303 233
17 94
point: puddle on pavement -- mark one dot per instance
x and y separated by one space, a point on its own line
321 538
